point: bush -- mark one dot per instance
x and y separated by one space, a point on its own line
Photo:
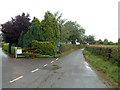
5 47
13 50
110 53
29 54
67 47
44 48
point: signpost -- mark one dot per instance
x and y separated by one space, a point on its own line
58 47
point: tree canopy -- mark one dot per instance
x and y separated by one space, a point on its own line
20 31
72 31
11 30
90 39
34 33
50 28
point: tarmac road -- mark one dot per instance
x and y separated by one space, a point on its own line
71 71
12 68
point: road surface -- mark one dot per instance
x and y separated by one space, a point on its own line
71 71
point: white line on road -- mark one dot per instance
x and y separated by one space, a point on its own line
35 70
45 65
16 79
52 61
57 59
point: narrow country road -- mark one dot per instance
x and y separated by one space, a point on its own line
71 71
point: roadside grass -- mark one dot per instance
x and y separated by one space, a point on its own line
109 69
64 53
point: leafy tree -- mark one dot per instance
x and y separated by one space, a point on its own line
73 32
34 33
50 28
99 42
11 30
61 22
90 39
105 42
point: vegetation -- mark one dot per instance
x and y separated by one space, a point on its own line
72 31
90 39
34 33
50 28
5 47
13 48
11 30
20 32
111 53
67 47
101 64
44 48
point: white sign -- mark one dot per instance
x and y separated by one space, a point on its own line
19 51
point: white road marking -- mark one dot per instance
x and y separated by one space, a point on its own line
16 79
45 65
57 59
52 61
35 70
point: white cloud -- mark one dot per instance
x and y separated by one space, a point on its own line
98 17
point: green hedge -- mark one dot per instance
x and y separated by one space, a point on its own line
5 47
0 44
13 50
44 48
67 47
109 53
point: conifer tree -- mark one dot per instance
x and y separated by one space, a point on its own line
34 33
50 28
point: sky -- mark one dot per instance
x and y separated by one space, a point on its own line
97 17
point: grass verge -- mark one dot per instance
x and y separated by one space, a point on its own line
65 53
109 69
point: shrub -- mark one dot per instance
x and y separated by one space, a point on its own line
29 54
110 53
13 50
44 48
67 47
115 55
6 47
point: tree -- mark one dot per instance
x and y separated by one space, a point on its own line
11 30
64 33
99 42
34 33
50 28
73 32
61 22
90 39
105 42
